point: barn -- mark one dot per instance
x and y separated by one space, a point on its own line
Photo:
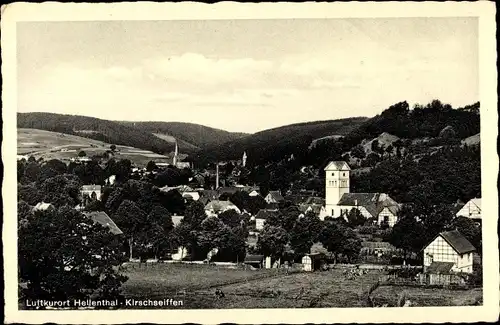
256 261
313 262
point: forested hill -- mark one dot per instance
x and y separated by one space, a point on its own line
197 135
94 128
277 143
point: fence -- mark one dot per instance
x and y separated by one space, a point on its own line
448 281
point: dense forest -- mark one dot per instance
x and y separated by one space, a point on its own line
94 128
197 135
278 143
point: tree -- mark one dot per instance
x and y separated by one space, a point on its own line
194 215
82 153
339 239
408 234
132 220
358 152
305 233
355 218
151 166
64 255
112 147
230 218
272 241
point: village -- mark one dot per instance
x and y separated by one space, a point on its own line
338 235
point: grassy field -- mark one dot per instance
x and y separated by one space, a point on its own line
245 288
195 285
53 145
427 296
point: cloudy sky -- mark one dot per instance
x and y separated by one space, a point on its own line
244 75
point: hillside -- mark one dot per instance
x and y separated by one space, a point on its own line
189 135
277 143
94 128
53 145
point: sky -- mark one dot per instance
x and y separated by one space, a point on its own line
245 75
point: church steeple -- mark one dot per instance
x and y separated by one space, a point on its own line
337 183
244 160
176 152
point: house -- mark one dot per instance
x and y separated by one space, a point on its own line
110 180
261 217
42 206
318 210
449 247
182 253
193 195
182 164
176 220
216 207
471 209
339 201
103 219
91 190
256 261
274 197
272 206
313 262
230 190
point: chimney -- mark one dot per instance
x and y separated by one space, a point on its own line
217 176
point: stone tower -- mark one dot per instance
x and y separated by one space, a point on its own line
337 183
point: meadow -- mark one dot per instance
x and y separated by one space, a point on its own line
54 145
195 285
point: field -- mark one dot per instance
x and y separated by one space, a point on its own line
195 285
427 296
53 145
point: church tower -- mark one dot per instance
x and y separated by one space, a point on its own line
337 183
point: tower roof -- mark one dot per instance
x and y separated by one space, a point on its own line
337 165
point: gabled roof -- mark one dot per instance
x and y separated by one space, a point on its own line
264 214
315 200
228 190
42 206
176 220
456 240
337 165
440 267
374 203
276 195
103 219
254 258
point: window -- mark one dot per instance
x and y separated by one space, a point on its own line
333 212
333 174
343 174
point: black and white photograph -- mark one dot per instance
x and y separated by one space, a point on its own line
281 164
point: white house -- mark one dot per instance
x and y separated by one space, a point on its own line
90 189
191 194
449 248
110 180
339 201
274 197
42 206
471 210
216 207
261 217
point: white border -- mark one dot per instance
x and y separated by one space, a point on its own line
51 11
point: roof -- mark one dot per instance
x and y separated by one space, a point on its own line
297 198
440 267
254 258
91 187
276 195
374 203
456 240
264 214
315 200
337 165
228 190
220 206
316 256
211 194
42 206
103 219
176 220
204 200
316 208
272 206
